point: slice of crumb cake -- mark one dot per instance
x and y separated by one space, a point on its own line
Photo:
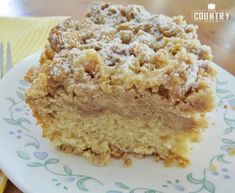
123 81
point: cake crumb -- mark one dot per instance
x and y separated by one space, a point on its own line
213 168
183 162
127 162
138 156
157 159
124 156
231 151
117 153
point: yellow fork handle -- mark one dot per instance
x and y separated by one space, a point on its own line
3 181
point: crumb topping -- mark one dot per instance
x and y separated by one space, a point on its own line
126 46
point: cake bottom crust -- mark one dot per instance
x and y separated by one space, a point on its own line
105 159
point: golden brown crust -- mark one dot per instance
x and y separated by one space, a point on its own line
105 159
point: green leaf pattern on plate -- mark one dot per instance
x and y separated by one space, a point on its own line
193 180
203 183
68 170
20 95
121 185
221 93
230 123
23 155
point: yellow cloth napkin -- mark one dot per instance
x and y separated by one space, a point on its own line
26 35
3 181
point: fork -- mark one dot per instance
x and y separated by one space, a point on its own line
3 178
8 59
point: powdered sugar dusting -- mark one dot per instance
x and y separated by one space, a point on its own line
127 41
61 67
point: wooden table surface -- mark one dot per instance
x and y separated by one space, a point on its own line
220 36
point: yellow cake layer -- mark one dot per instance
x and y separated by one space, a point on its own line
96 137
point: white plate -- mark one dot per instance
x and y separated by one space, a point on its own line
36 167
